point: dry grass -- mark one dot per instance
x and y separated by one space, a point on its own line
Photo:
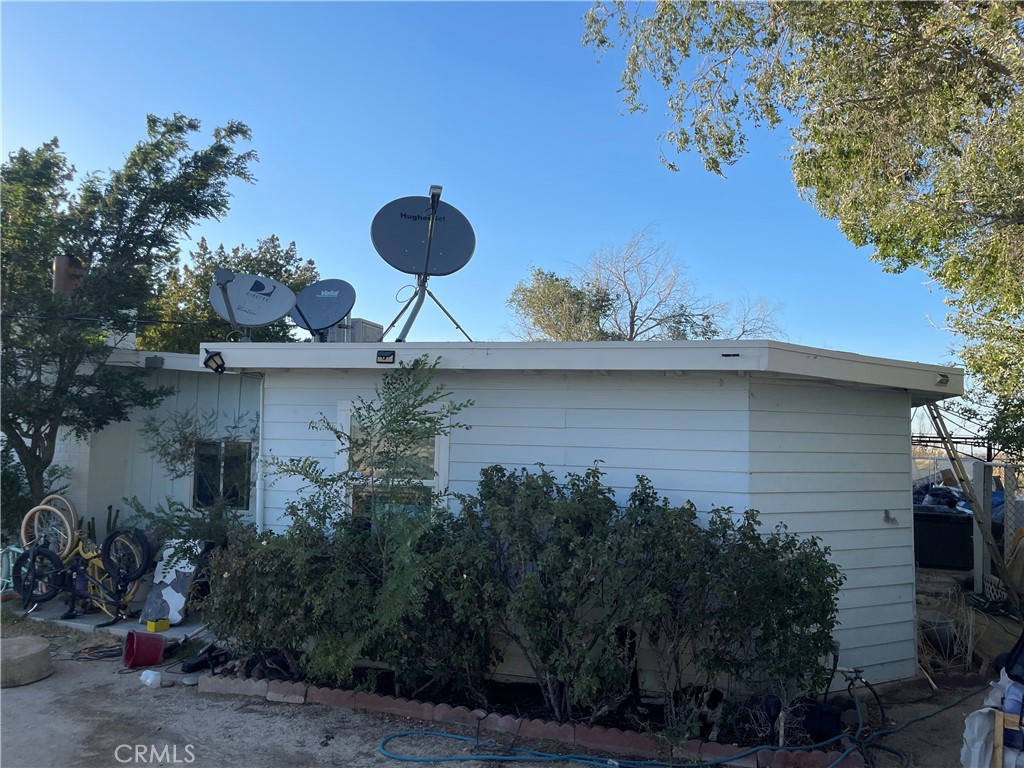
14 622
954 650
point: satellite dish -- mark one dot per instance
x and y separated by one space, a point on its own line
250 301
399 233
323 304
422 236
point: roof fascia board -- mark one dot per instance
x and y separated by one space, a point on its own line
772 357
173 361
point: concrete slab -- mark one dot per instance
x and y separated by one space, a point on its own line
90 622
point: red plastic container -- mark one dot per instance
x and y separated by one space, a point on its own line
142 649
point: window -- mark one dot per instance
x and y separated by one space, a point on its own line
418 465
419 470
223 470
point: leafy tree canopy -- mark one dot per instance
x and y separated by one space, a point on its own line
120 230
182 310
908 130
553 308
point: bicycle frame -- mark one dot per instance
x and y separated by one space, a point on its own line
96 591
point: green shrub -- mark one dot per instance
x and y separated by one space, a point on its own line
15 496
576 581
391 592
732 604
173 520
388 589
263 593
567 581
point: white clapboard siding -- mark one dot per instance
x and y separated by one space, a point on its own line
122 468
687 433
834 462
74 456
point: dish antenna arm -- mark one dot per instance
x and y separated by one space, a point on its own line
222 277
449 314
419 296
315 333
435 198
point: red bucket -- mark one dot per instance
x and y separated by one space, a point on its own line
142 649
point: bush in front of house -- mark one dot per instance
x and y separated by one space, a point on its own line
575 582
568 579
263 593
385 592
580 583
738 609
383 561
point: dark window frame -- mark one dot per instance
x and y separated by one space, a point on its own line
223 469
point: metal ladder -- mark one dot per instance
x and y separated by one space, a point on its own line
980 516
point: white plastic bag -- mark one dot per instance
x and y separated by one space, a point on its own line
980 728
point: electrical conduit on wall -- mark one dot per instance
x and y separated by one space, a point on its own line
261 520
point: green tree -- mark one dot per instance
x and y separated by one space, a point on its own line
907 121
182 310
121 230
553 308
636 292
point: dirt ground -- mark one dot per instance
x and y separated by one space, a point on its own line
96 714
93 713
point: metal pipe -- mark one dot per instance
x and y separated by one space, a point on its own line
261 513
421 294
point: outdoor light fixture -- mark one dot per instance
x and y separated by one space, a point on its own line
214 361
941 379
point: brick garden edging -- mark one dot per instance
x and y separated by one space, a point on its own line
590 736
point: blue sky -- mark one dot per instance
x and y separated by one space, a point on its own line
355 104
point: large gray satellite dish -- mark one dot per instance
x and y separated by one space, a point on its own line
323 304
399 232
424 237
250 301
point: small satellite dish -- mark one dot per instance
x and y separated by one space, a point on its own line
323 304
250 300
399 233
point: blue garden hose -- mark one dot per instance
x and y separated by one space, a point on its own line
523 755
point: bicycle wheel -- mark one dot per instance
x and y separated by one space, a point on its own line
53 524
125 555
62 504
37 575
